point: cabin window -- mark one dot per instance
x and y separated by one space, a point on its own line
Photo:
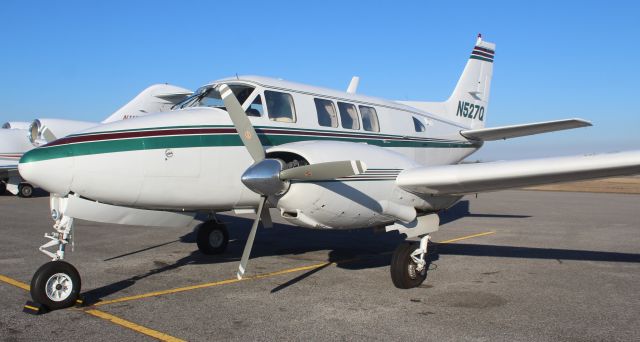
418 125
327 115
369 119
348 115
255 109
280 106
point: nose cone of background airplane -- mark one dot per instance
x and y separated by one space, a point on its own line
48 169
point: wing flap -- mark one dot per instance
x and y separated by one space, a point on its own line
506 132
482 177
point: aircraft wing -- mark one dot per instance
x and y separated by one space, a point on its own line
506 132
482 177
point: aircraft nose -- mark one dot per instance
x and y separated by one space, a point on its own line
47 169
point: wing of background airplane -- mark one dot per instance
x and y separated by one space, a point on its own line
506 132
483 177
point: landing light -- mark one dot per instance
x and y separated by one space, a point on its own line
55 215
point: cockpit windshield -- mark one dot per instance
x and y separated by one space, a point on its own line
209 96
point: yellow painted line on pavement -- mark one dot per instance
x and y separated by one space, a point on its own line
212 284
14 282
258 276
466 237
133 326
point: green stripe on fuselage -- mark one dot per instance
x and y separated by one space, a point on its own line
204 140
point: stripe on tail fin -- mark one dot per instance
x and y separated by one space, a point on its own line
469 101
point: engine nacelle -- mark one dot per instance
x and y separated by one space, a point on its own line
16 125
369 199
42 131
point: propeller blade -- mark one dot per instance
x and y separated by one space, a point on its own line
252 235
266 220
241 122
324 171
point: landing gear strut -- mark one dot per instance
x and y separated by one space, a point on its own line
56 284
408 264
212 238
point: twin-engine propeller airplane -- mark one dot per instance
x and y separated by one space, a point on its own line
325 159
18 137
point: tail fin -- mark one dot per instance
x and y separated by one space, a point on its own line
156 98
469 101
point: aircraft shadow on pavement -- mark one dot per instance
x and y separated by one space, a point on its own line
348 249
37 193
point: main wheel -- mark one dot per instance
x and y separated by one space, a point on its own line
56 285
25 190
403 269
212 238
3 188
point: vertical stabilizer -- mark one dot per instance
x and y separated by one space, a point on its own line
156 98
469 101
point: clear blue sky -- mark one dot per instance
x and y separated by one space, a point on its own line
554 59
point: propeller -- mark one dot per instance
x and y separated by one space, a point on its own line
268 177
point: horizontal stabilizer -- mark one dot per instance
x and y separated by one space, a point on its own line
482 177
506 132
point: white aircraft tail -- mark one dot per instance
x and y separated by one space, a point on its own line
156 98
469 101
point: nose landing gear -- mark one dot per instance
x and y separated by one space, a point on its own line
57 284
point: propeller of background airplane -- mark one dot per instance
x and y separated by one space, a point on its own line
267 177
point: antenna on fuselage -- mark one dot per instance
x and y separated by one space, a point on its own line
353 85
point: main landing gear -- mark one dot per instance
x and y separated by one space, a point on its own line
212 238
3 187
408 264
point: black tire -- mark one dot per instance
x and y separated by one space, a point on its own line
212 238
3 188
25 190
50 274
401 263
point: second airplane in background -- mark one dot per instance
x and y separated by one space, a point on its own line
16 138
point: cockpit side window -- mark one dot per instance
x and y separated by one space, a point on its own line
348 115
242 92
210 97
280 106
255 108
418 125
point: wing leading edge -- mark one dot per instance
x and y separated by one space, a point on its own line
483 177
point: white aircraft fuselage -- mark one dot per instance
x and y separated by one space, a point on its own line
190 159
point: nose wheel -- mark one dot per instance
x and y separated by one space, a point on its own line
56 285
212 238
